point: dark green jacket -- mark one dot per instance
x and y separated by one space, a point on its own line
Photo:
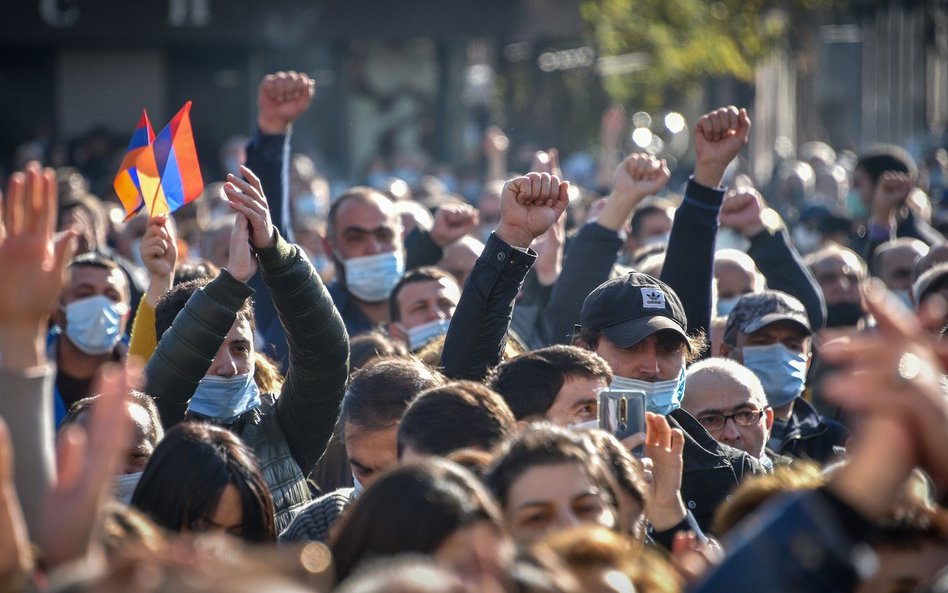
289 431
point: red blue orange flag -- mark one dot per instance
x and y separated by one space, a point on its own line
168 171
126 182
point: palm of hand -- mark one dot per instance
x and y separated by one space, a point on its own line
30 289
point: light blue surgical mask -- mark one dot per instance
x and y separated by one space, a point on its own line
224 399
661 397
420 335
587 425
781 370
372 278
93 324
726 305
357 487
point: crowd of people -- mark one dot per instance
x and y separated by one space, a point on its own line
398 390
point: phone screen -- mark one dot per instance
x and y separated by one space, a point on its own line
622 412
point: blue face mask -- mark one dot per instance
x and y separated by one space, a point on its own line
661 397
781 371
726 305
372 278
224 399
420 335
93 324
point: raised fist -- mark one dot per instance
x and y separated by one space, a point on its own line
529 206
282 98
742 210
638 176
719 137
451 222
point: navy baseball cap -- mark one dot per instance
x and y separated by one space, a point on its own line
632 307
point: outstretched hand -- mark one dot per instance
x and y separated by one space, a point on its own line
33 261
282 98
664 446
86 459
719 137
893 379
529 206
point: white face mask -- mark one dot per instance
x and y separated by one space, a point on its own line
587 425
420 335
93 324
124 486
372 278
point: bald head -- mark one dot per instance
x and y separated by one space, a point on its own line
720 386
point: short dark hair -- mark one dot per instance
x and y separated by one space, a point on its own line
411 508
93 259
646 209
173 301
360 193
459 415
378 394
154 431
529 382
544 444
372 345
422 274
886 157
190 468
203 269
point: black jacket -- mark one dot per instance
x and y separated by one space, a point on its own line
782 266
287 433
478 331
811 436
711 470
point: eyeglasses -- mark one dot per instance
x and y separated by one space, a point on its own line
742 418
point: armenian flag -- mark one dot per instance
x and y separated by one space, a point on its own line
126 182
168 170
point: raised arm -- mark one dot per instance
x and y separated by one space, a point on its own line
689 262
593 251
33 263
159 253
186 350
770 248
529 206
316 335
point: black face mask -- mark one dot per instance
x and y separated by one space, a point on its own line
843 314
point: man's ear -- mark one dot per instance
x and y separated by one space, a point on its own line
769 415
724 350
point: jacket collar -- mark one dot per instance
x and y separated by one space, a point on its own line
701 450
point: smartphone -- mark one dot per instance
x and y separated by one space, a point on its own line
622 413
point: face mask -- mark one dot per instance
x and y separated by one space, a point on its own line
372 278
854 206
906 297
663 238
124 486
424 333
92 324
305 206
843 314
806 240
781 371
725 306
661 397
587 425
224 398
357 487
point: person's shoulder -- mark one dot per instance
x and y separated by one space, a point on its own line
313 521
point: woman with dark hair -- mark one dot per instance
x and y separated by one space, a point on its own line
203 478
550 478
430 507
